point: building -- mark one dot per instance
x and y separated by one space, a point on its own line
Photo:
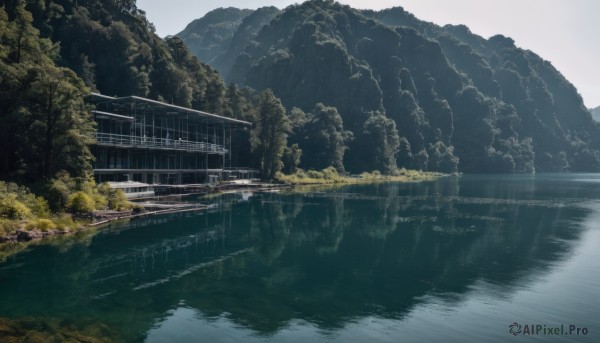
153 142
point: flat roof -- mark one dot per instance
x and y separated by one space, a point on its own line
133 98
118 116
98 95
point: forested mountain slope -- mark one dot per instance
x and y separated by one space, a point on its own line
221 35
209 36
414 94
53 53
595 113
113 48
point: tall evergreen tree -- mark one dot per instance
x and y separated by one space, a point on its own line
44 123
269 136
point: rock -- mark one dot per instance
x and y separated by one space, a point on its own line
26 236
4 239
10 331
78 337
6 330
37 337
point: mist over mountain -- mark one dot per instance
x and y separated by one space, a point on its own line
595 113
209 36
415 94
221 35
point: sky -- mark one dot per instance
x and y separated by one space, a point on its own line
564 32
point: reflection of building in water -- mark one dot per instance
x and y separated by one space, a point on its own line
148 141
176 251
322 257
194 241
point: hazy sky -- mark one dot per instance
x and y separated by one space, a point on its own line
565 32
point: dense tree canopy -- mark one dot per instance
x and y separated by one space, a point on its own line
113 48
44 124
322 137
458 101
365 90
52 54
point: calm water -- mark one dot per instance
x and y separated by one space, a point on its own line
459 259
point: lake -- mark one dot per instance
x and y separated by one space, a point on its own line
460 259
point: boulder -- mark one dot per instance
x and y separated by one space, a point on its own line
26 236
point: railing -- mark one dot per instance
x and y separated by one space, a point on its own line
157 143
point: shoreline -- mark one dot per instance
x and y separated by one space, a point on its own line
361 180
100 218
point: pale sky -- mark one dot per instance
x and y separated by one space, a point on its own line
565 32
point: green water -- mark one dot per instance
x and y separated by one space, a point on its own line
455 260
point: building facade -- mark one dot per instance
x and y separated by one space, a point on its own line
153 142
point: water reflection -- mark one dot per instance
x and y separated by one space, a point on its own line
313 263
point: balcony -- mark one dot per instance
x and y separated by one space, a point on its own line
124 141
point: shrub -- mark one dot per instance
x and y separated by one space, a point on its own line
313 174
118 201
330 173
11 208
58 195
301 174
280 176
65 223
100 200
374 175
115 198
40 224
11 192
96 192
8 227
40 208
81 203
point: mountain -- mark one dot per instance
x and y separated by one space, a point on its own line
114 49
209 36
596 113
53 53
221 35
415 94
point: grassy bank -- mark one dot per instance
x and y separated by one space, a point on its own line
64 205
331 176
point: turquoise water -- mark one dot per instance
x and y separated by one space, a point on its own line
455 260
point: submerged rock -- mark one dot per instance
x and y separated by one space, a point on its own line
34 331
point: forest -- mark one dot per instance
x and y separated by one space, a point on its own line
408 92
52 55
325 86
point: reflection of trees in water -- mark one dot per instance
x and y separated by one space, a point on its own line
396 244
94 278
324 257
293 221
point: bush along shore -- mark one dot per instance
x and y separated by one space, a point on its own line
69 205
329 176
66 205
